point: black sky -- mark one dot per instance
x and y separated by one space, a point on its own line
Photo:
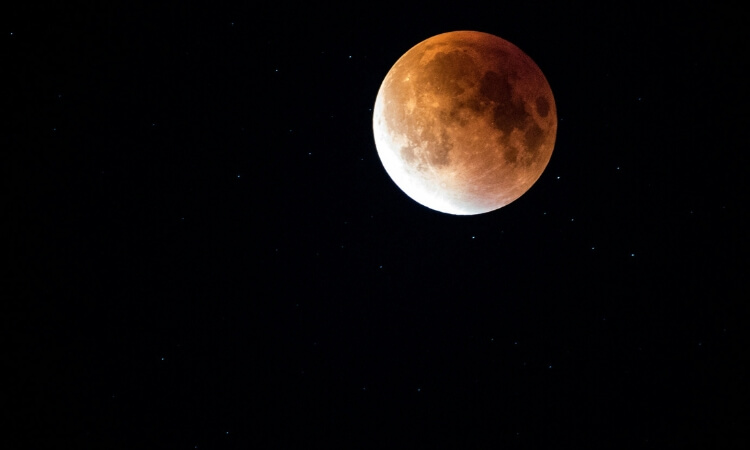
206 251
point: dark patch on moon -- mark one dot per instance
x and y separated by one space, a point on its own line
453 72
534 137
473 104
510 154
542 106
508 113
495 88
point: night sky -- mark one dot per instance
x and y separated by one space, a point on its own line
206 252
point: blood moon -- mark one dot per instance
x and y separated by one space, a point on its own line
465 122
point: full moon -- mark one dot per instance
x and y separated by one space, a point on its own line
465 122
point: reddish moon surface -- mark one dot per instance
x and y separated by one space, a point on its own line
465 122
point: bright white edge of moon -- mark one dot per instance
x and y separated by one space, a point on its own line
414 184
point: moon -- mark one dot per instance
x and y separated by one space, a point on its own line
465 122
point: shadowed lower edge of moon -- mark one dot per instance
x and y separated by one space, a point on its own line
460 132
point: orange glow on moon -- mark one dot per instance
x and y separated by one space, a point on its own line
465 122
